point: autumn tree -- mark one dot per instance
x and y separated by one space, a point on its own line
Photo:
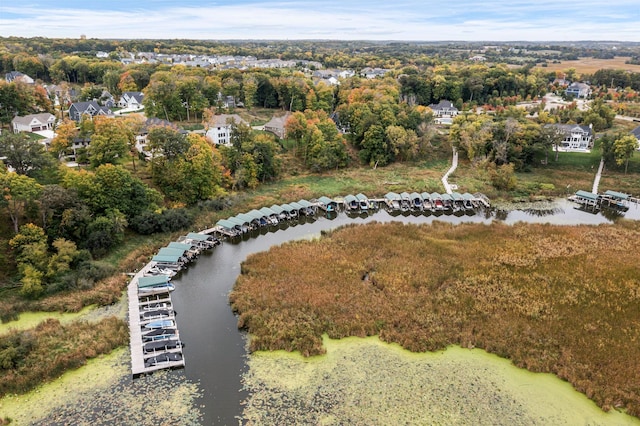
18 191
66 132
22 154
111 140
623 149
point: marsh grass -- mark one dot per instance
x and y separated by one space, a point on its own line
28 358
552 299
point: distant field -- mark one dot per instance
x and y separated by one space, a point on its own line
591 65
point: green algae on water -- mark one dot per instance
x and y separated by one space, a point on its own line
102 392
366 381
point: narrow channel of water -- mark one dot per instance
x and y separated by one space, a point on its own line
215 349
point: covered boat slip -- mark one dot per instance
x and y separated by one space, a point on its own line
155 308
327 204
137 321
609 199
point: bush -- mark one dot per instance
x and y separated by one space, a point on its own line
148 223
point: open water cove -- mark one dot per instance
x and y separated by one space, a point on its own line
215 351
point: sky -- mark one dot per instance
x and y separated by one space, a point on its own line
419 20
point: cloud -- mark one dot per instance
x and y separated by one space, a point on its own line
330 19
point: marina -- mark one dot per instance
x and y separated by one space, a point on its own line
151 315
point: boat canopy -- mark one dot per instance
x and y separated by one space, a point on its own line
405 196
152 281
446 197
166 258
425 196
362 197
415 196
616 195
468 196
296 206
586 195
276 208
167 251
349 199
435 196
288 208
257 214
392 196
181 246
245 218
198 237
456 196
226 224
325 200
267 211
305 203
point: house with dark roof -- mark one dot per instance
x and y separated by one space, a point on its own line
444 111
576 138
17 76
131 100
578 90
276 125
219 128
90 108
636 132
33 122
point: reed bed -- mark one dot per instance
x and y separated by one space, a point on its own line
550 298
27 358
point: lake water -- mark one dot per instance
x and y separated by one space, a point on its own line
215 352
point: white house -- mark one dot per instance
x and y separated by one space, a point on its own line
219 128
131 100
33 122
444 111
576 138
17 76
578 90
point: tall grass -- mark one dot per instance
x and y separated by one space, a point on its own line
552 299
28 358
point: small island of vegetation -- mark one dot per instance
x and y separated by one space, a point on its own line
550 298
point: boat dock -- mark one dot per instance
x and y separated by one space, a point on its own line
136 324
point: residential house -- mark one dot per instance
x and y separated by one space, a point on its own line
90 108
107 99
33 122
219 128
636 132
444 111
141 138
17 76
131 100
576 137
276 125
578 90
373 72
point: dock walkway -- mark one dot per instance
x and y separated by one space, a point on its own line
454 166
596 180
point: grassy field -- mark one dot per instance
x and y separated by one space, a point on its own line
552 299
591 65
